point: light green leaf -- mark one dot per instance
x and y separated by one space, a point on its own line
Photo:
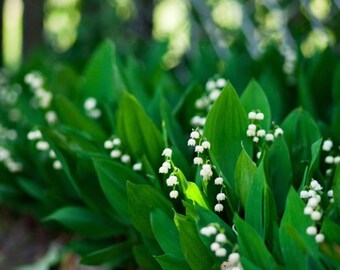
225 128
193 193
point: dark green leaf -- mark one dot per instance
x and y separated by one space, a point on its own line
142 199
113 254
280 172
244 175
253 98
112 178
171 262
295 243
255 201
83 221
138 132
102 77
69 115
336 189
252 246
195 253
166 233
300 132
144 259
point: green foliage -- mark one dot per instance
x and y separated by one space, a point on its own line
224 128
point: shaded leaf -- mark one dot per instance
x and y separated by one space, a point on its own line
83 221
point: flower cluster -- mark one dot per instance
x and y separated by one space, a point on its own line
311 194
44 146
91 108
213 89
114 145
8 93
172 180
7 159
218 246
202 145
7 134
42 98
256 132
332 158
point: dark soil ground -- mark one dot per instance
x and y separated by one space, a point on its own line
24 242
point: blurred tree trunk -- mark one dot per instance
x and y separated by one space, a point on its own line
143 22
1 32
33 25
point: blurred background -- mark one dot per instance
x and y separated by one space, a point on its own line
71 29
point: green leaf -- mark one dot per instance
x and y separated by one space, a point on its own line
194 193
171 262
102 76
336 101
253 98
336 189
185 108
295 243
174 131
144 259
69 115
112 178
315 151
280 172
252 246
113 254
225 128
32 188
142 199
166 233
75 153
255 201
300 132
244 174
195 253
83 221
204 216
138 132
331 230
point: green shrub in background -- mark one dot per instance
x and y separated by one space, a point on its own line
147 174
